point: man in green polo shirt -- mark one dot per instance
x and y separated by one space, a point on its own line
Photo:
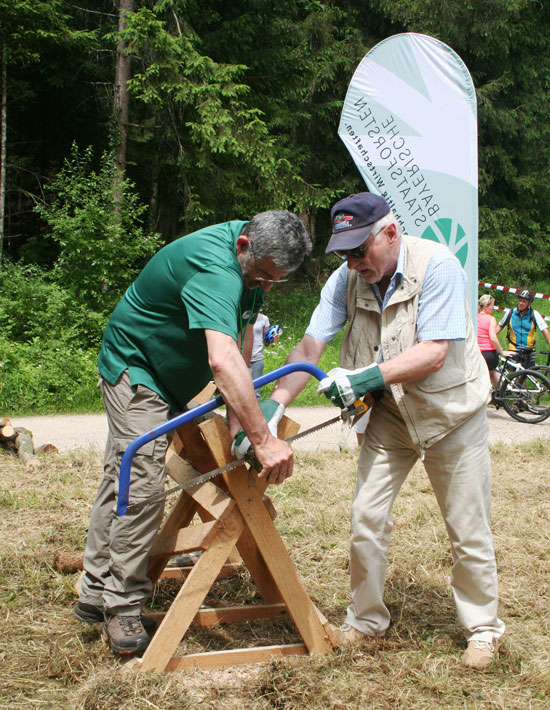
178 326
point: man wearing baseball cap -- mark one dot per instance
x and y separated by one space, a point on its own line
411 342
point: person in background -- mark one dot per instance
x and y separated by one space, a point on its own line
261 329
522 323
487 336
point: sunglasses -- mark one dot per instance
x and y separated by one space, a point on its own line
358 252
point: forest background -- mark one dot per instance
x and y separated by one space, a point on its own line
127 123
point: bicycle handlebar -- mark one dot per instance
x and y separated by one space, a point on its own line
171 424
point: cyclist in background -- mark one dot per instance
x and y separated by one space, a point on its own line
522 323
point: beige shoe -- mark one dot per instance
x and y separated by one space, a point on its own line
346 635
480 654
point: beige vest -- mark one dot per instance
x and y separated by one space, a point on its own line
433 405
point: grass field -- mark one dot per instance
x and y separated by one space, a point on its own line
49 660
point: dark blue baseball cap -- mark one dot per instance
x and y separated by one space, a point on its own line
353 218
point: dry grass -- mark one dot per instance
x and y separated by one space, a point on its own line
48 659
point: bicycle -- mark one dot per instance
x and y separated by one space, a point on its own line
544 369
527 354
524 393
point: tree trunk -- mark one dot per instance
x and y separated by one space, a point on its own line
121 98
3 140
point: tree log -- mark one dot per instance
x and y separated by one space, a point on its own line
67 563
19 441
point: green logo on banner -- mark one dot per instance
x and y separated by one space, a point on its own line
445 231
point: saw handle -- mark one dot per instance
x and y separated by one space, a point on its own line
171 424
357 409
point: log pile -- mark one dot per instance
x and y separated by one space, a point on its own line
19 441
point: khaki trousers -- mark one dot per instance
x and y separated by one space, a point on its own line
459 469
117 550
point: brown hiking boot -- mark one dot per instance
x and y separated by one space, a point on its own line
88 613
126 634
93 614
480 654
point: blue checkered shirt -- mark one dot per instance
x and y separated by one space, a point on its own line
441 313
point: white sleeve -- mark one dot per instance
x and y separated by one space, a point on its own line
504 320
539 320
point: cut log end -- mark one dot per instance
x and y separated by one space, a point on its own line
67 563
7 431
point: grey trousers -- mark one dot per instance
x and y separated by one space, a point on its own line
117 550
256 370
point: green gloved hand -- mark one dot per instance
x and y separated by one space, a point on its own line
344 387
273 412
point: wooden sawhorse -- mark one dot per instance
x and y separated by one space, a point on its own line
234 514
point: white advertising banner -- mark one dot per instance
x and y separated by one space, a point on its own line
410 123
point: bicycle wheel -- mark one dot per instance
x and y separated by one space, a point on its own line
525 395
543 369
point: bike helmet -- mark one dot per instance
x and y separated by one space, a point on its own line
271 333
526 294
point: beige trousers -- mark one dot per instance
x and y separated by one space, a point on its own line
117 550
459 469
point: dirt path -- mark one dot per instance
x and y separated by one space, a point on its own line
89 431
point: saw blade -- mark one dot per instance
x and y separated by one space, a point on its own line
249 459
196 481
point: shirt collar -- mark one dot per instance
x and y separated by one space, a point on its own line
394 281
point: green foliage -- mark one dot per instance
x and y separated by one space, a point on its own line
44 378
292 309
510 247
235 106
212 119
47 364
37 306
234 109
48 345
102 245
25 24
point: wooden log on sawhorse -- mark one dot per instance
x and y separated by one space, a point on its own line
234 514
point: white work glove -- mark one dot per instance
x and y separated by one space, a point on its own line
273 412
344 387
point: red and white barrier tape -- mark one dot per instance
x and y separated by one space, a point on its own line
509 289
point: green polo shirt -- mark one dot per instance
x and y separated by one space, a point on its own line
156 331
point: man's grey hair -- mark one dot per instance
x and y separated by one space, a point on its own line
279 235
389 218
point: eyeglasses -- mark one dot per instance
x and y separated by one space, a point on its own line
263 279
358 252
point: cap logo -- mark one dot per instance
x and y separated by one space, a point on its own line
342 221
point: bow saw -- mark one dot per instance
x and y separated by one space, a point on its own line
358 407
